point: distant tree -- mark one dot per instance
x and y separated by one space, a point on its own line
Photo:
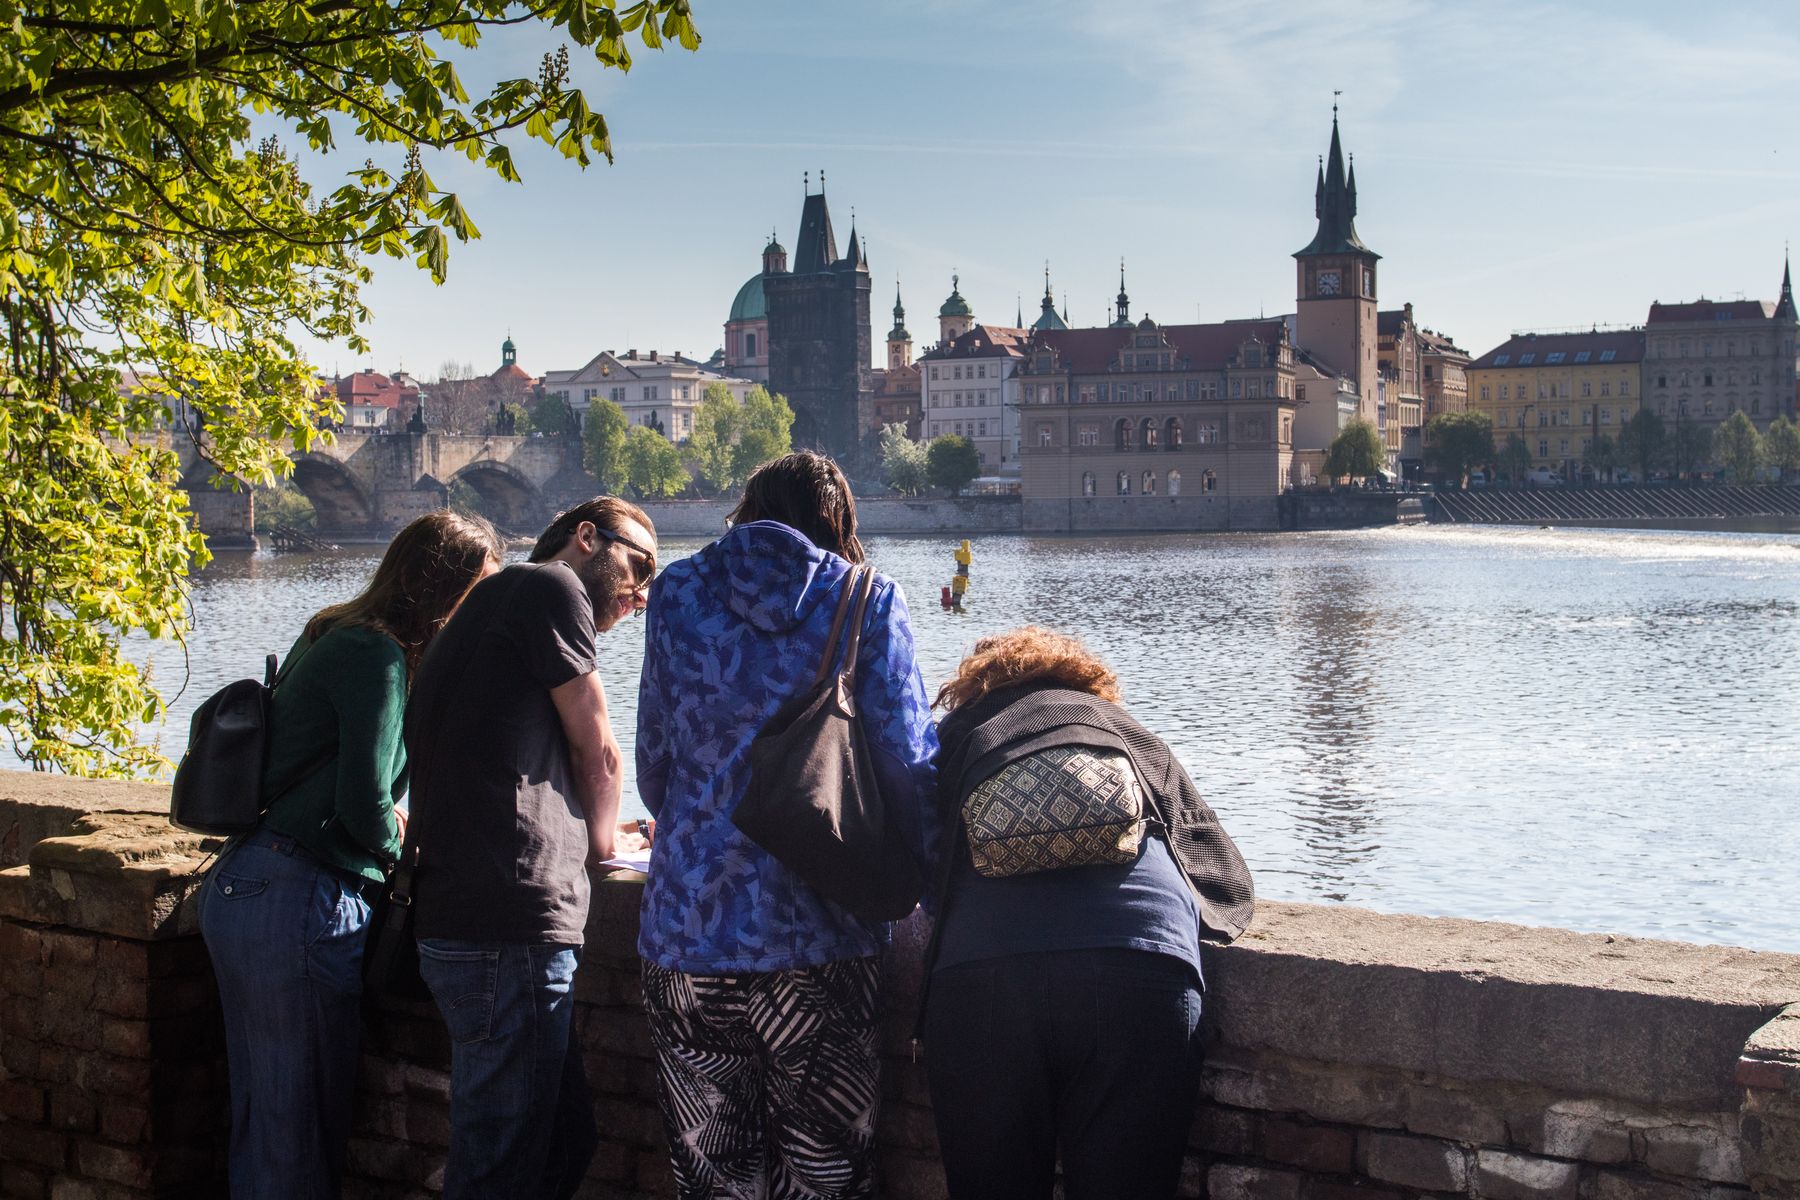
766 434
712 446
1643 441
551 415
283 504
1603 457
905 463
951 462
652 464
1690 448
603 444
1514 458
1357 452
1456 442
1738 448
1782 446
456 401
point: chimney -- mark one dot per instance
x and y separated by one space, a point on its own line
631 355
653 356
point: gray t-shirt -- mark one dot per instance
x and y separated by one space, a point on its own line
502 836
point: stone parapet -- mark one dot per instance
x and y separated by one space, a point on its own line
1351 1054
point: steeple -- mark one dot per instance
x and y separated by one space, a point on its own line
509 353
1122 306
954 315
898 332
854 261
1047 318
1334 203
1784 311
1019 312
816 248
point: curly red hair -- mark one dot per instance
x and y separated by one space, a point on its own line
1032 654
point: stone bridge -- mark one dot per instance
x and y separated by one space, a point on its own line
370 484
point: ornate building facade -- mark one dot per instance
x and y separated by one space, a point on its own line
1560 391
1710 358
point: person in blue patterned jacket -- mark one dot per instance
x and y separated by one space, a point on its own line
760 993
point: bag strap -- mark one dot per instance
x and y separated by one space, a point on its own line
837 627
866 586
400 882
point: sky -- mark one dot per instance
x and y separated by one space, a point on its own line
1520 165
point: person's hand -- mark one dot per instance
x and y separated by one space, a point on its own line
634 836
400 823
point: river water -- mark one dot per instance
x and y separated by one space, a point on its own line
1585 728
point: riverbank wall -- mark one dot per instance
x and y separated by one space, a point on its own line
1352 1055
1350 508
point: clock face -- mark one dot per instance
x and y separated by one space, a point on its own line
1330 283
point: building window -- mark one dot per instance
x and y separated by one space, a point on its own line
1543 447
1606 416
1587 389
1122 434
1147 434
1505 392
1124 483
750 345
1089 485
981 429
1484 392
1172 433
1624 387
936 429
1088 435
1209 482
1149 488
1563 446
1174 483
934 373
981 370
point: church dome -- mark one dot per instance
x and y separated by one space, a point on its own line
956 306
751 304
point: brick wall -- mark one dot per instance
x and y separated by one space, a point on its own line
1353 1055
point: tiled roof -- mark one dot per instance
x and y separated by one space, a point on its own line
373 388
1712 310
1204 347
983 341
1625 346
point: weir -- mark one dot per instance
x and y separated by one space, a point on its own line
1351 1054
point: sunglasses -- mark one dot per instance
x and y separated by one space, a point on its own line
643 567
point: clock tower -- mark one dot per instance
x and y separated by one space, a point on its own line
1336 282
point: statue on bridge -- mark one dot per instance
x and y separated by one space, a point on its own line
417 424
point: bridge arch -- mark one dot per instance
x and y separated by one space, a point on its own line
508 496
337 495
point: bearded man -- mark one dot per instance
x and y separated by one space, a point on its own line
515 793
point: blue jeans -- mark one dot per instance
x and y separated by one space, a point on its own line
521 1115
1090 1056
286 937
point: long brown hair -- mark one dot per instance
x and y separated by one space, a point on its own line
1031 654
805 491
427 570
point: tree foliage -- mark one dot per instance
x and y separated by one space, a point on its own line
1738 448
603 436
904 462
1690 447
551 415
1514 458
652 464
766 433
144 228
1643 441
1357 452
951 461
1603 457
712 446
1457 442
1782 446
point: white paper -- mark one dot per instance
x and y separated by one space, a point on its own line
638 861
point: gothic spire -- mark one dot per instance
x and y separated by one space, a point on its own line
1123 304
1334 203
898 332
1785 309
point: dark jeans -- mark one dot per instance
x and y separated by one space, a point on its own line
286 935
521 1115
1095 1053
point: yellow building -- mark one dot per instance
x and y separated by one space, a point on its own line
1559 391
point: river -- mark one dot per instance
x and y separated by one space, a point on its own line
1585 728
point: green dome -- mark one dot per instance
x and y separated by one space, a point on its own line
956 306
751 304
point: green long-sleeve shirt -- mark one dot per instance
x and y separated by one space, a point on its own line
345 691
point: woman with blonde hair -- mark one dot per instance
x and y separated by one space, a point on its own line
285 912
1081 871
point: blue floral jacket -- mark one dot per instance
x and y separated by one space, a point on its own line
733 633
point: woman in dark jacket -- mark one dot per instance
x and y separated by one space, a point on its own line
1063 1010
285 912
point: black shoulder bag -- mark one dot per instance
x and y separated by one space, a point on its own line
391 954
218 788
813 801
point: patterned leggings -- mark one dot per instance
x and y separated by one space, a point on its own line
769 1082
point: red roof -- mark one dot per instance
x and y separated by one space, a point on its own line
373 388
1712 310
1203 347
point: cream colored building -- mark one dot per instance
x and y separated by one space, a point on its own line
658 390
1559 391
